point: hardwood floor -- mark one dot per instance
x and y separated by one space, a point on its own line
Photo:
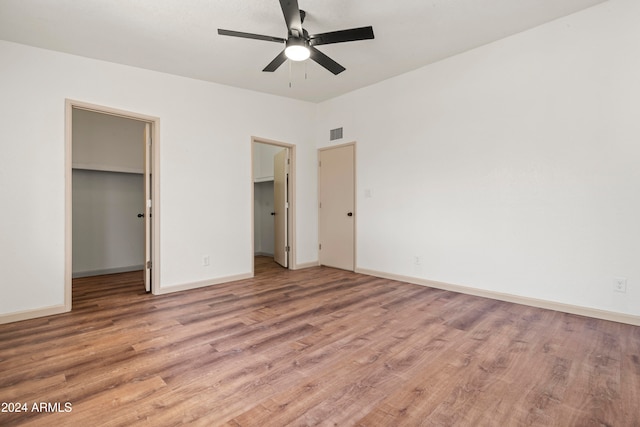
314 347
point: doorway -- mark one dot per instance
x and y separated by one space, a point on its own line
273 185
336 207
111 193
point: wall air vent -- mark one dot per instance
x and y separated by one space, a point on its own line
335 134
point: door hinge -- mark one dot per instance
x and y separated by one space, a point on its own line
287 248
320 246
148 264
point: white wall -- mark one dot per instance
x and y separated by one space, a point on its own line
106 142
263 155
108 237
205 168
511 168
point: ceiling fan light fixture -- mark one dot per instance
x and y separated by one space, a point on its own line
297 49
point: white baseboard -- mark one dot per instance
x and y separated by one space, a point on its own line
202 284
90 273
533 302
293 267
305 265
32 314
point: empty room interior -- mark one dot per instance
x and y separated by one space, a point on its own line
430 217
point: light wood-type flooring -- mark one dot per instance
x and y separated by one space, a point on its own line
314 347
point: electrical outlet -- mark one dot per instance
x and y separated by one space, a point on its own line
205 260
620 284
417 260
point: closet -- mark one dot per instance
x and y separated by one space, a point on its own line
107 193
263 192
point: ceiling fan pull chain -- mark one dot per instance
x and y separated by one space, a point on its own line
290 74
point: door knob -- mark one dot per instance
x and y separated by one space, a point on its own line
349 213
141 215
273 213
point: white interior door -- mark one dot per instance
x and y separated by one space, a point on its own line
280 207
147 208
336 207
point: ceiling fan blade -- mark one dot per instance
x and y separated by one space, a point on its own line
354 34
250 36
325 61
277 61
291 13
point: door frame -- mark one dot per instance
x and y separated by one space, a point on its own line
154 122
291 214
355 199
281 162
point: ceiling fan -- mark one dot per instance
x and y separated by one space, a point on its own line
299 44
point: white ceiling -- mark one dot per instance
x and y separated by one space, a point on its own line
180 36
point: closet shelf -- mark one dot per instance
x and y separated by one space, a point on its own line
263 179
106 168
